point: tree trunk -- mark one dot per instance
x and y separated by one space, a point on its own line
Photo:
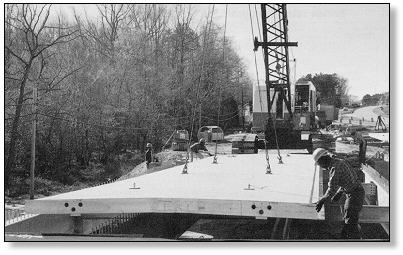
87 149
10 163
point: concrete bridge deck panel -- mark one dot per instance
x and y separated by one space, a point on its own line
230 187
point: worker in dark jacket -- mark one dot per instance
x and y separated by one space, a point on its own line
197 147
342 179
149 154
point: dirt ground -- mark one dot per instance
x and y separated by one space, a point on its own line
169 158
382 166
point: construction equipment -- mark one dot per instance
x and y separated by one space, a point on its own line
244 144
327 114
380 124
287 123
180 140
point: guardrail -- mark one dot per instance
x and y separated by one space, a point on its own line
13 215
106 182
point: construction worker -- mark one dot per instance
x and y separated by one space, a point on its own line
149 154
195 148
342 179
256 144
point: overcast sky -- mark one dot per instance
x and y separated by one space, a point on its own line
351 40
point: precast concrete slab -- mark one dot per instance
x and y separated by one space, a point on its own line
384 137
237 185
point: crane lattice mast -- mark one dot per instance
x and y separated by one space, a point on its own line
275 50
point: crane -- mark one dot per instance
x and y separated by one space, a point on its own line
287 124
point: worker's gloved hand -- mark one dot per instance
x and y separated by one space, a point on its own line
337 196
319 204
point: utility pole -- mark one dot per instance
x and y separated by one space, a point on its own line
295 83
199 115
242 104
33 147
295 70
243 112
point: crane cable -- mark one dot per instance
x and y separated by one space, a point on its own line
219 88
206 37
268 167
256 66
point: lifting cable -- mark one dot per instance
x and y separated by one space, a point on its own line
268 167
205 40
256 67
219 87
280 161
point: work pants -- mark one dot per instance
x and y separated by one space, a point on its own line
195 154
352 208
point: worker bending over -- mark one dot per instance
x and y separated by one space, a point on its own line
197 147
342 179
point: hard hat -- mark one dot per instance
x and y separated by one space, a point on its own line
318 153
202 140
149 145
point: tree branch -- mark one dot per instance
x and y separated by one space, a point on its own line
15 55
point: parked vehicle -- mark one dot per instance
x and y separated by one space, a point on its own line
210 133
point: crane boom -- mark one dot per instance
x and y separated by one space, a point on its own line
283 125
275 48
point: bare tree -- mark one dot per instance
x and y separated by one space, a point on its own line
106 34
29 38
129 78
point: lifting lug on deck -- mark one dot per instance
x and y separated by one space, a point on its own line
268 169
215 159
134 186
185 169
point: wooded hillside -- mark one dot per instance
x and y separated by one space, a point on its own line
109 84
